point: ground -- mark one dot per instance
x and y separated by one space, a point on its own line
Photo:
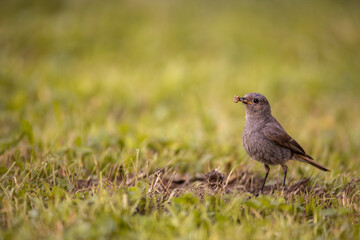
117 119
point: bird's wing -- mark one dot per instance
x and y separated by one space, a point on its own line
274 132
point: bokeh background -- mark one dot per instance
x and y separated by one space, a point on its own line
95 96
159 76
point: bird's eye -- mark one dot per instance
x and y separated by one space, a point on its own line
256 100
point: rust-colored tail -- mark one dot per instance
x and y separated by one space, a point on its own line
309 160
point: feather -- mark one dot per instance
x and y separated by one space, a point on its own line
309 160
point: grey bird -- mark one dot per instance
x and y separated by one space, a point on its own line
265 140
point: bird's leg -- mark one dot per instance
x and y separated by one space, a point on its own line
267 170
284 167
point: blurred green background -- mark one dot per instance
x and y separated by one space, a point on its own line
161 75
102 89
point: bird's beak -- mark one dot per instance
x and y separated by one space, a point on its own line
241 99
244 100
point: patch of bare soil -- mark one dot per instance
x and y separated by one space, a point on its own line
215 182
165 182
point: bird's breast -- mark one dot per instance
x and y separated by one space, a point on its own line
258 147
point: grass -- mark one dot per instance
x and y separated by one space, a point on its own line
112 113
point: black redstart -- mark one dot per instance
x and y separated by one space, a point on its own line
265 140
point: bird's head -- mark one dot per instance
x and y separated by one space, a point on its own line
255 104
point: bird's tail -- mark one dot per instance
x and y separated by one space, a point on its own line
309 160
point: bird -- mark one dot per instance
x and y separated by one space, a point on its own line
265 140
